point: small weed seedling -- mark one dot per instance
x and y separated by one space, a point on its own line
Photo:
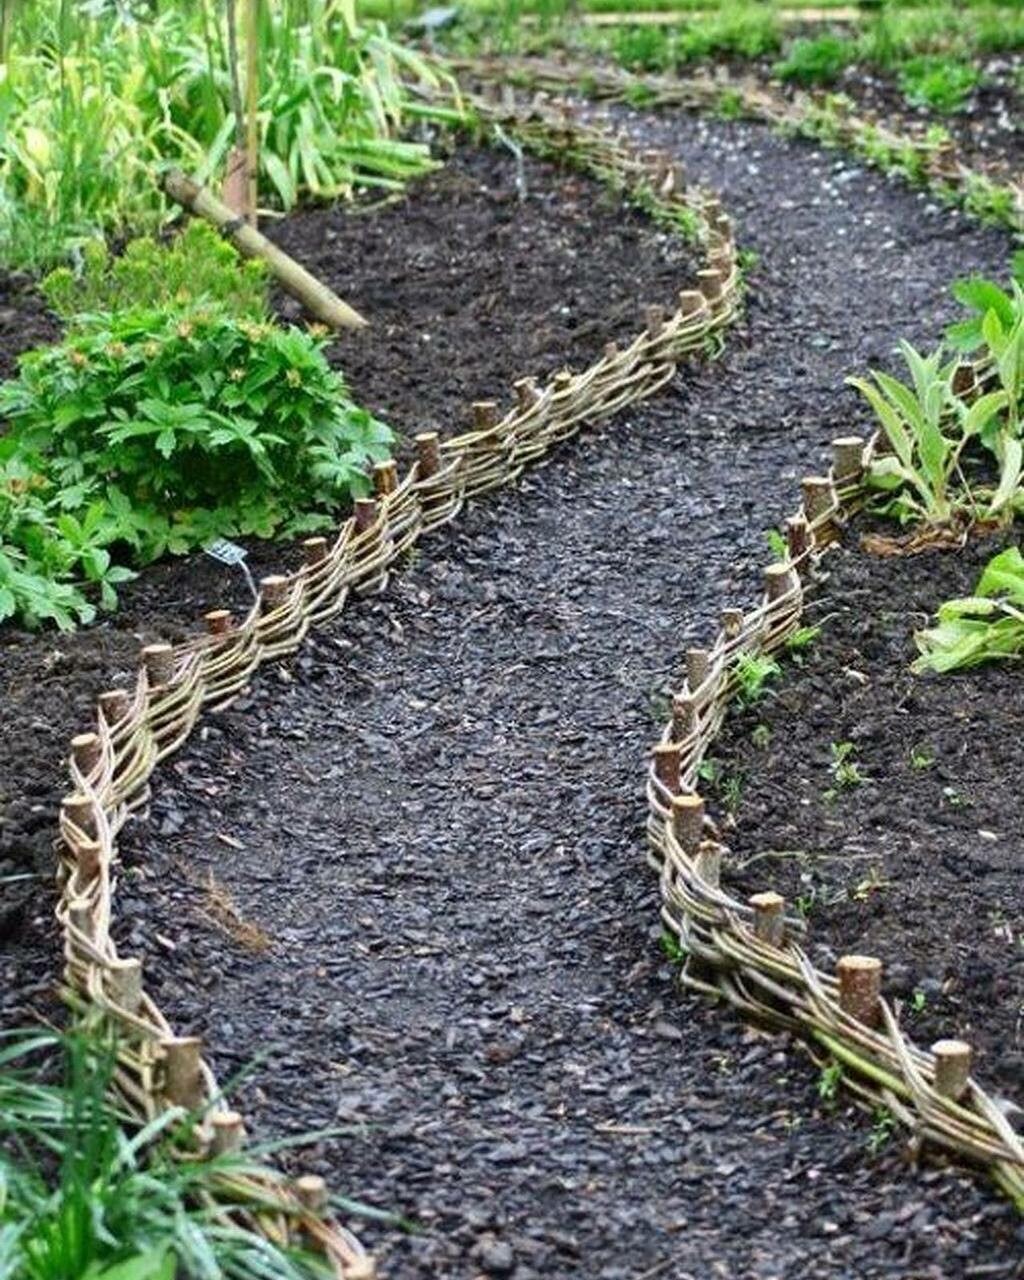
732 791
919 1001
753 672
955 799
844 769
829 1080
802 639
881 1130
922 756
761 736
710 770
776 544
873 882
673 949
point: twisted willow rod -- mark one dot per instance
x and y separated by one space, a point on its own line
749 952
111 766
828 119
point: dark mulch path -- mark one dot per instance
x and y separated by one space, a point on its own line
25 321
468 287
435 814
923 863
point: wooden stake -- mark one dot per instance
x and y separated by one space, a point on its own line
526 391
124 983
158 659
428 454
80 918
732 622
667 762
779 581
273 592
654 321
697 664
860 986
86 750
710 284
365 513
228 1133
817 495
236 183
847 458
485 415
311 1192
82 812
708 862
252 96
952 1067
798 537
385 478
688 821
684 717
218 622
183 1073
690 302
769 917
314 551
115 704
89 857
320 301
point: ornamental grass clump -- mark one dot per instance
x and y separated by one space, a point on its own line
83 1196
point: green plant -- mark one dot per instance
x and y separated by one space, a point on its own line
643 48
731 786
918 1001
761 736
829 1081
753 671
803 638
927 427
82 1196
816 61
151 431
197 266
881 1130
776 544
672 947
922 756
844 768
941 83
980 296
984 627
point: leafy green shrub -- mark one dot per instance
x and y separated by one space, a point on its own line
940 83
818 61
982 627
197 265
157 430
745 30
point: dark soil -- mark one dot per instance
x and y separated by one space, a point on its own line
434 814
25 321
923 862
468 287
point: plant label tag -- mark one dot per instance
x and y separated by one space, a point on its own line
227 552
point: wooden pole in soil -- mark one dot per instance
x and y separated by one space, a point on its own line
252 103
318 300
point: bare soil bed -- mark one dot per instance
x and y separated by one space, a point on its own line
488 271
921 863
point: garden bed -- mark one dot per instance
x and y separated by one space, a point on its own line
25 320
884 804
487 271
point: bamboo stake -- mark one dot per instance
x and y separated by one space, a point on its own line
320 301
252 102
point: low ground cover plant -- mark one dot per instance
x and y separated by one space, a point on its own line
941 83
816 61
157 428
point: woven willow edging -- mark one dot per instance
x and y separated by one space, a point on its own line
829 120
111 767
749 952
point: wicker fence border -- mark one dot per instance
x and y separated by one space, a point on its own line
827 119
112 765
749 953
